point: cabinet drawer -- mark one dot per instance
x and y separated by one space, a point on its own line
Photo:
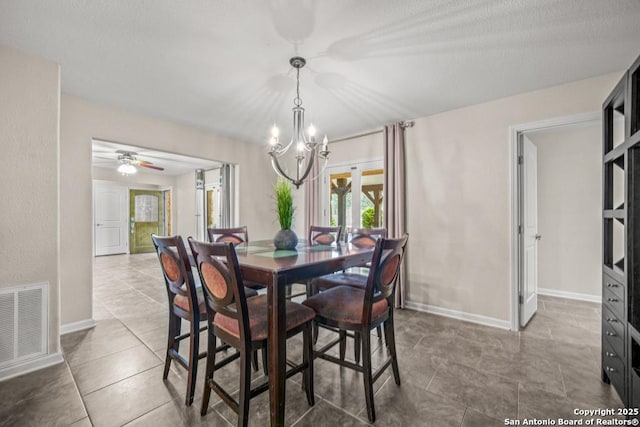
613 331
614 367
613 301
614 286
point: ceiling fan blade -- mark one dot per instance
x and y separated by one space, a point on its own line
149 166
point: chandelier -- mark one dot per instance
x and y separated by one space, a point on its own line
306 145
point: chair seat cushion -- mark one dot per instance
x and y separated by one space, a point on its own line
329 281
182 301
344 304
258 310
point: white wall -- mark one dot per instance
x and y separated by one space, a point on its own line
570 208
81 121
459 195
29 137
184 202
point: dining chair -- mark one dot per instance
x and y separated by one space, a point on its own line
243 324
355 309
235 235
362 238
319 235
185 303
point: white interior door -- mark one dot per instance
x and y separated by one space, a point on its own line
110 213
529 236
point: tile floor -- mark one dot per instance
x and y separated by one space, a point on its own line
453 373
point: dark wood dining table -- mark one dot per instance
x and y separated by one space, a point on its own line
260 262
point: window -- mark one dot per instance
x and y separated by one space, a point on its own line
353 195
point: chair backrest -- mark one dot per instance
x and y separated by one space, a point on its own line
383 275
235 235
324 235
222 284
176 269
365 237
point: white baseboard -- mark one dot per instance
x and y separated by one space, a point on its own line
67 328
570 295
460 315
30 365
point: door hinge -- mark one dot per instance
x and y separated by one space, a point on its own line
520 229
520 160
520 299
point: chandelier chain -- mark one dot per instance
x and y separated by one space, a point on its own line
297 100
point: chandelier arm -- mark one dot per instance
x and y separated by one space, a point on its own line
308 169
276 166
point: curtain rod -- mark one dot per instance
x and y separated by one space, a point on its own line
404 125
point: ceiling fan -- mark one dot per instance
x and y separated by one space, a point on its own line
128 163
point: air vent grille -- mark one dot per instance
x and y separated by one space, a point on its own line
23 323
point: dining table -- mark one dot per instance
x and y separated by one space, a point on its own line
260 262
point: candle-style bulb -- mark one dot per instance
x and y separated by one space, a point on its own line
275 132
312 130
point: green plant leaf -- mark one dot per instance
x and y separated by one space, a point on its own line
284 203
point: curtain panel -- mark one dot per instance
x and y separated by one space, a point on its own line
394 194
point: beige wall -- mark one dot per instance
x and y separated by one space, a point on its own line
570 208
29 137
80 122
459 195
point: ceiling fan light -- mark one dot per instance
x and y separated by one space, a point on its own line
127 169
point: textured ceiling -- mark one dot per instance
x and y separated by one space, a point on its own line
223 65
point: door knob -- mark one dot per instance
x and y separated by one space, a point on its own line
538 236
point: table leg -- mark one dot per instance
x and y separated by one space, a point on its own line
277 350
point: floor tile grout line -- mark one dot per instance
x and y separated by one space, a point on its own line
347 412
75 384
120 380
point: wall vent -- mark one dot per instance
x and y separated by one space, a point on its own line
24 321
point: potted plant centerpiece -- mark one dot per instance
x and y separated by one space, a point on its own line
285 238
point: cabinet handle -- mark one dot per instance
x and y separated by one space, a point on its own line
610 319
611 334
612 285
610 369
612 299
606 353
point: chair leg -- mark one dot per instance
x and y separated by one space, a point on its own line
172 344
311 291
343 344
211 362
367 374
379 332
390 339
194 344
254 360
307 359
245 387
265 364
357 344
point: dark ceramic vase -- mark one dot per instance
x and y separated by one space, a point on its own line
285 239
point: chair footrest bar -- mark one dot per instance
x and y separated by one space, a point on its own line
224 396
224 362
380 370
178 358
339 361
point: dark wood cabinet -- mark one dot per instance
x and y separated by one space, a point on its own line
621 238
